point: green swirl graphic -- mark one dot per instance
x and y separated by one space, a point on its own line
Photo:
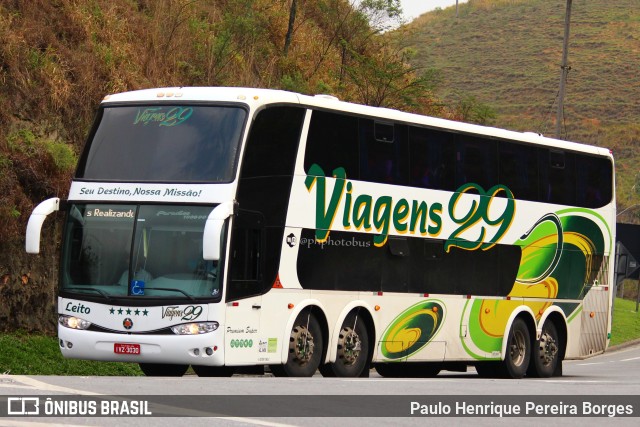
412 330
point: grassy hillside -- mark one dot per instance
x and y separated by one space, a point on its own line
58 59
507 54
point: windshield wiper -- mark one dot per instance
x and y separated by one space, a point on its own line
102 293
174 290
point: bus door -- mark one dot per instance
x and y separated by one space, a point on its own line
244 289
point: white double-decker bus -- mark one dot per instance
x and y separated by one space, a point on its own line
221 228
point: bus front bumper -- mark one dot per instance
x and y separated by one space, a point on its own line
205 349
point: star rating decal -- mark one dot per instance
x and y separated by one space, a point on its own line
128 311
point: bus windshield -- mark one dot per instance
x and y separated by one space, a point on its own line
137 251
175 143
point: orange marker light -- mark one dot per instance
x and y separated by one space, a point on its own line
277 283
290 306
376 308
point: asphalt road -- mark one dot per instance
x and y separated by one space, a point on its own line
611 379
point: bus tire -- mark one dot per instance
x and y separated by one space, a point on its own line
163 369
213 371
353 350
545 353
305 348
489 369
518 352
389 370
425 369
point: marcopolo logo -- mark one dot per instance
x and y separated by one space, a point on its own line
412 329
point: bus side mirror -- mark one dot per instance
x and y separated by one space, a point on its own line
34 226
213 230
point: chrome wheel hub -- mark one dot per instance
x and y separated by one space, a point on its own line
301 344
349 346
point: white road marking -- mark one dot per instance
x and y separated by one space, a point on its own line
50 387
255 422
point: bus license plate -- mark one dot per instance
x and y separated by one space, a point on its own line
126 348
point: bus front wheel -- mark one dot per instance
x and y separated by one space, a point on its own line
163 369
305 348
352 352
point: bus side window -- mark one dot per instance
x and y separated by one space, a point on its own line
431 154
332 142
476 161
383 152
246 256
593 181
557 183
519 170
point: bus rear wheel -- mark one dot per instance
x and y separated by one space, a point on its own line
518 353
353 350
489 369
389 370
163 369
305 348
545 353
213 371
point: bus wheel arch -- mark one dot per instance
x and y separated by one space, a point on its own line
305 344
355 344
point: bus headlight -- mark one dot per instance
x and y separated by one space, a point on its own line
73 322
195 328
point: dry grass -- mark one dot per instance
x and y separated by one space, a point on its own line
507 54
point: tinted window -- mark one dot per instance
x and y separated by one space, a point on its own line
557 177
393 153
432 155
476 161
265 185
593 181
519 170
273 142
177 143
332 143
383 152
352 262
